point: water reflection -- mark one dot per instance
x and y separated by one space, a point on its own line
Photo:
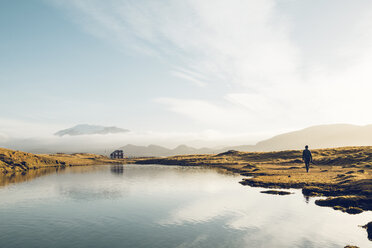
85 194
19 177
117 169
165 206
307 198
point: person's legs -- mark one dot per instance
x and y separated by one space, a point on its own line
307 164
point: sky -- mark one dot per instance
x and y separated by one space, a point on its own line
208 72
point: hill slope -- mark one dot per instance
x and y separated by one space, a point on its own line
17 161
159 151
323 136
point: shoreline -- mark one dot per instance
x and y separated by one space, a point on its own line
346 181
343 175
12 161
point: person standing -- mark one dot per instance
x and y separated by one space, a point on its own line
307 157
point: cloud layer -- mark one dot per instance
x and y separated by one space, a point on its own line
268 76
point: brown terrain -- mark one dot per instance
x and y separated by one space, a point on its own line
16 161
342 175
17 166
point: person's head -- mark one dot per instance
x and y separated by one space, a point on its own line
306 147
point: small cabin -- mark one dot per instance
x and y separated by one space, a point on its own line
117 154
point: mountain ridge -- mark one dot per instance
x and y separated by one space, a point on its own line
319 136
156 150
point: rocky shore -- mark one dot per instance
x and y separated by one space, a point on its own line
344 175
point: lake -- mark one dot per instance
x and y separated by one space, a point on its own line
163 206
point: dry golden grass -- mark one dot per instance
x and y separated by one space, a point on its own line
332 166
16 161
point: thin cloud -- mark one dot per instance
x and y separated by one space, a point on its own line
236 41
190 77
248 47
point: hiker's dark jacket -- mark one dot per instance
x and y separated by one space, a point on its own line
306 155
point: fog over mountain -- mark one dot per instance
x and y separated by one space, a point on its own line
102 140
155 150
84 129
322 136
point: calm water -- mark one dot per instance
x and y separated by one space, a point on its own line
164 206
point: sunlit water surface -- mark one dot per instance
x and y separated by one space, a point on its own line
164 206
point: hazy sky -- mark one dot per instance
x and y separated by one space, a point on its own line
207 69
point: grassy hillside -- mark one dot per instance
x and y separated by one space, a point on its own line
16 161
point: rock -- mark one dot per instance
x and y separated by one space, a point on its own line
276 192
350 210
312 191
349 204
369 230
229 152
338 208
353 210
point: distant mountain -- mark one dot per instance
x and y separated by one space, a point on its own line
154 150
145 151
85 129
323 136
